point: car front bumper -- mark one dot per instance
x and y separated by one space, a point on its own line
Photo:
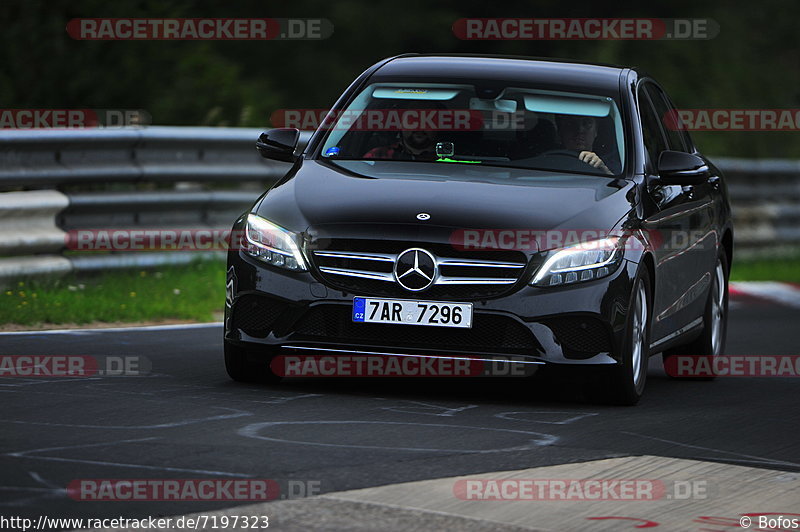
278 310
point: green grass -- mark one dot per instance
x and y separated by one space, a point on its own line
772 269
193 292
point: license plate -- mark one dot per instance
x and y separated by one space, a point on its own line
408 312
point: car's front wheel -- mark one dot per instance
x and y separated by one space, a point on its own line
624 383
246 364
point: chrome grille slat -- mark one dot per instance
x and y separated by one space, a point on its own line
479 263
378 276
442 279
384 257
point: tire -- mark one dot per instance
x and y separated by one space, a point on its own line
624 383
241 365
711 342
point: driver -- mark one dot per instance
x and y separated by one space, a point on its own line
413 146
578 133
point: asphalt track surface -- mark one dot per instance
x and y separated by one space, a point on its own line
187 420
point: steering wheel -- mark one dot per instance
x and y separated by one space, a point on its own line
561 152
555 159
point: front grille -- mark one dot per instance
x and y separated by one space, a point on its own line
365 267
580 335
255 315
489 332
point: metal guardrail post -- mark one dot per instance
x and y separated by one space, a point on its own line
27 227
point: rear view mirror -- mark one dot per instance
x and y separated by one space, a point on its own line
278 144
679 168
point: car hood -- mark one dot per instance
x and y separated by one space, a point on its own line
385 199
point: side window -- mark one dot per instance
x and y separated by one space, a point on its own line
687 140
654 142
664 108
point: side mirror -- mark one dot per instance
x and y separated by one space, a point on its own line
278 144
679 168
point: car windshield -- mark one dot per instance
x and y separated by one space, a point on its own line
500 126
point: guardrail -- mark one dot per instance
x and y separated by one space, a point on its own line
52 182
765 195
54 158
155 177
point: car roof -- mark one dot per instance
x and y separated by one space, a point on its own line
477 68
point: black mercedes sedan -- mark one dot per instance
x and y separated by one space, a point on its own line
481 208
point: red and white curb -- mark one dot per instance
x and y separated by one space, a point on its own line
784 293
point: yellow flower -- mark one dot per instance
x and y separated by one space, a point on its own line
24 302
142 274
20 284
9 293
21 293
132 294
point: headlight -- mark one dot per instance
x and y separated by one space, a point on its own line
581 262
272 244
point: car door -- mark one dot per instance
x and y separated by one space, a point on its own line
683 225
